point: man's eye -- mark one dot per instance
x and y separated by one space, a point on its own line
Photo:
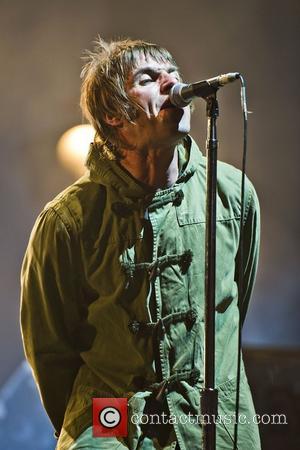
145 81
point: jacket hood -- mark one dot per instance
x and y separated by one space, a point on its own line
111 174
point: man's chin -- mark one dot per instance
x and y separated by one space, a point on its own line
180 123
183 122
183 129
180 129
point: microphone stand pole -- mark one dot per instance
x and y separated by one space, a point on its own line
209 395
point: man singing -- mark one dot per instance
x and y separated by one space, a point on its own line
113 277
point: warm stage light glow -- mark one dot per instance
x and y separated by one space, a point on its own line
73 146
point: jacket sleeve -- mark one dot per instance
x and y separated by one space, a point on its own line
250 249
49 287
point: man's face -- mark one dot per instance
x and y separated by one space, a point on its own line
158 122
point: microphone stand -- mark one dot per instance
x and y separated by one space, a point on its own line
209 395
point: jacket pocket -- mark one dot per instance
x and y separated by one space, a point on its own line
248 436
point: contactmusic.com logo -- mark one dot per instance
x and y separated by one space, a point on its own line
109 417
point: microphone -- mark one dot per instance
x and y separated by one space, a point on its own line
182 94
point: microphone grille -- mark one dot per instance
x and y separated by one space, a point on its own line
175 95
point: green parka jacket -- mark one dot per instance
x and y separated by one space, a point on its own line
113 297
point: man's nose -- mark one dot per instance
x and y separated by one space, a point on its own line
167 82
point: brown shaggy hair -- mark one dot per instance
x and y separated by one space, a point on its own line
103 90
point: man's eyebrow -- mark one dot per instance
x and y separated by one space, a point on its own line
153 70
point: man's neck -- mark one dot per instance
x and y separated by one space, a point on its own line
156 168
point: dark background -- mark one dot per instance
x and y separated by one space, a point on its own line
41 45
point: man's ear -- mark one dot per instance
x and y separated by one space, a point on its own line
113 121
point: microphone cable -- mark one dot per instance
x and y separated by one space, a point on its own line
241 256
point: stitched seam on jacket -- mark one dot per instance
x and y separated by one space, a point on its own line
247 207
